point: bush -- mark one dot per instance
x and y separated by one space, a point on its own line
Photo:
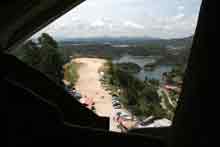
154 82
70 73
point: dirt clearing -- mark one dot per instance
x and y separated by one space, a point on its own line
89 85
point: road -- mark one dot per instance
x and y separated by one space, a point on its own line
89 85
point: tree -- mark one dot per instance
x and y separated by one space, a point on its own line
149 93
31 54
52 60
43 56
46 39
70 73
154 82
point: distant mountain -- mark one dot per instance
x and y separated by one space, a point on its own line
182 42
172 51
109 40
177 50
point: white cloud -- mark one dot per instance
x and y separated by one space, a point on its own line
180 8
133 25
178 16
167 27
98 23
127 17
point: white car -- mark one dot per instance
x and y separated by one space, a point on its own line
115 102
124 115
156 124
144 123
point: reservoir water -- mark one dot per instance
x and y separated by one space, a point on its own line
156 73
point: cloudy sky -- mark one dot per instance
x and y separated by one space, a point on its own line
132 18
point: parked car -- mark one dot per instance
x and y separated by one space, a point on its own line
71 92
125 115
115 97
116 116
66 89
117 106
144 123
155 123
114 102
77 95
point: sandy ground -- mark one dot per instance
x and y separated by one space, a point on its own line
89 85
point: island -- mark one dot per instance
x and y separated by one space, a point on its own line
129 67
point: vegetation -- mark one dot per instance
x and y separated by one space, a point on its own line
175 75
150 66
174 78
129 67
70 73
140 97
170 109
43 55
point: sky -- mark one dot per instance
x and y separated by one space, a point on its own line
127 18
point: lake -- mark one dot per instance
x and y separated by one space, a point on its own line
143 60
